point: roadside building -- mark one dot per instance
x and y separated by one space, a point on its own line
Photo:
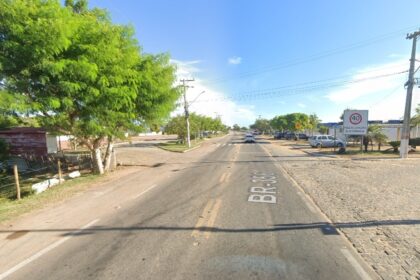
33 141
392 129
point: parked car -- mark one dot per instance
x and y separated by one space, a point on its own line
301 136
289 135
295 136
279 135
326 141
249 138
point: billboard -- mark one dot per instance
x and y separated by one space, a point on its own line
355 122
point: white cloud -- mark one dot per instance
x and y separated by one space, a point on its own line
235 60
357 88
383 97
211 102
186 68
392 106
301 105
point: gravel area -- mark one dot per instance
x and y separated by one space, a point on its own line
376 204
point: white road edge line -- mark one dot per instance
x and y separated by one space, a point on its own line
45 250
359 269
143 192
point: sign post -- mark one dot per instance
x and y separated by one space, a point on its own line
355 122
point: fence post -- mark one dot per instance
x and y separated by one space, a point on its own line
15 171
59 171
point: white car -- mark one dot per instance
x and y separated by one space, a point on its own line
249 138
326 141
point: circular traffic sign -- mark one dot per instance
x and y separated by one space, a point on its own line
355 118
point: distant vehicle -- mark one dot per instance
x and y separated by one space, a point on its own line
302 136
326 141
279 135
289 135
249 138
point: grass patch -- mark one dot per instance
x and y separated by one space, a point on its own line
12 208
174 146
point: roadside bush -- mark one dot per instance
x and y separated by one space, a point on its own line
395 145
4 150
414 142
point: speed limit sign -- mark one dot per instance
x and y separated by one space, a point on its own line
355 122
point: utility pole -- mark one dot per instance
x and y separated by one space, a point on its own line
187 113
405 135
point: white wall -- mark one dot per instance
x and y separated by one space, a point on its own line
392 131
52 146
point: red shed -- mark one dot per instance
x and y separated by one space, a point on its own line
26 140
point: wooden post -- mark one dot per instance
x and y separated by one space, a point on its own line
60 177
15 171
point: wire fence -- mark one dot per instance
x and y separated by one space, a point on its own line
30 169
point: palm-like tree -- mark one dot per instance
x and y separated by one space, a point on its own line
375 133
415 120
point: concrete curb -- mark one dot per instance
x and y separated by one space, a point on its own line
320 155
196 147
181 152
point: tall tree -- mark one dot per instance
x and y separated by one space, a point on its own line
82 74
297 121
375 133
198 124
313 122
279 123
236 127
415 120
323 129
262 125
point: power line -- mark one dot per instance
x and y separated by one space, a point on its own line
320 55
289 91
337 79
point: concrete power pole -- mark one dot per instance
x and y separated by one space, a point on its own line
187 113
405 136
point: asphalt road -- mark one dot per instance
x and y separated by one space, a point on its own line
232 215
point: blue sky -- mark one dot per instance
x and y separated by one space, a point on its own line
238 50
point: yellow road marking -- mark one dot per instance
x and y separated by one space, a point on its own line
227 177
222 179
202 218
213 216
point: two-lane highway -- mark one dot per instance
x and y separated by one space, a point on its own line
231 215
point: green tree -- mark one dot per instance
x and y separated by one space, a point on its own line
177 125
415 120
313 122
323 129
198 124
376 134
279 123
262 125
236 127
297 121
82 74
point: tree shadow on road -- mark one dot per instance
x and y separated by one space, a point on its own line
325 227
